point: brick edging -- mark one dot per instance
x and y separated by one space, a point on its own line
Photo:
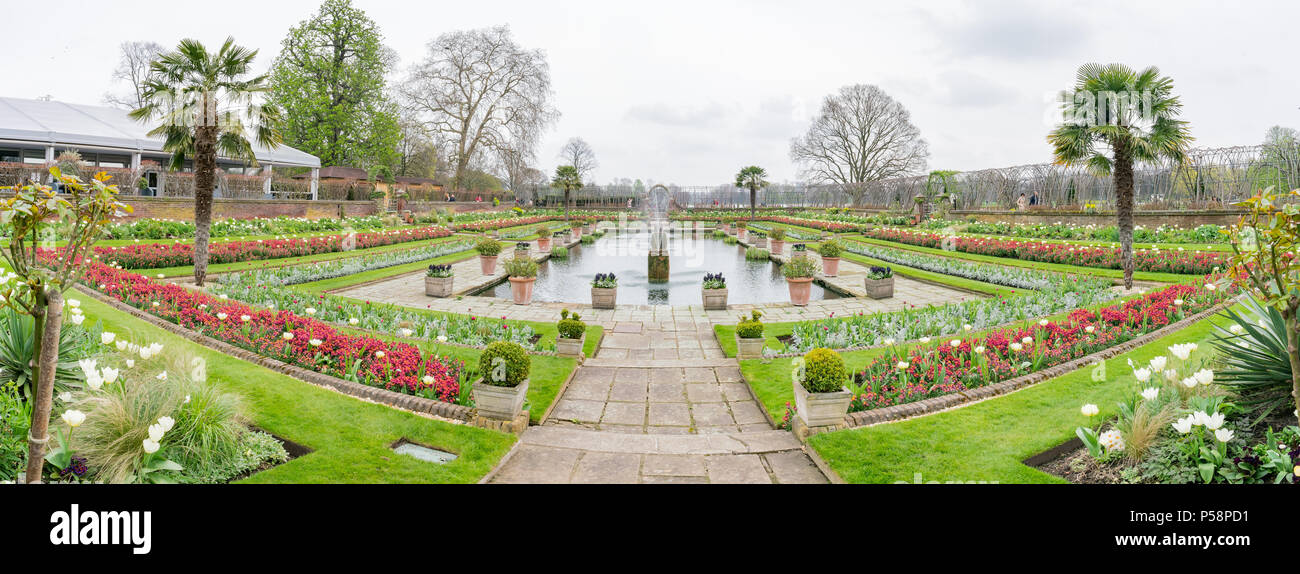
971 396
382 396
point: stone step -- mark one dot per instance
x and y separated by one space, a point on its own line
659 363
700 444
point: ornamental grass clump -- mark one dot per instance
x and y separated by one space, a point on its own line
824 371
504 364
571 325
488 247
750 327
756 254
559 252
521 267
800 266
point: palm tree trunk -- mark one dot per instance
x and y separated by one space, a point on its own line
205 165
753 199
48 324
1124 208
566 204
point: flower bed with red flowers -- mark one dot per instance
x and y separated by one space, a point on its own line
1154 260
490 224
829 226
952 366
286 337
156 255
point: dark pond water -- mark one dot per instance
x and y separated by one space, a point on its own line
690 257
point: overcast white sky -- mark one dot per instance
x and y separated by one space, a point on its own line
688 92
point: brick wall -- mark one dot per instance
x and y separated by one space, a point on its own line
182 209
1185 219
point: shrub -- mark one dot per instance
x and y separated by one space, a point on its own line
543 231
488 247
440 271
800 266
504 364
521 267
750 327
571 325
559 252
15 418
824 371
777 234
605 281
831 248
17 338
756 254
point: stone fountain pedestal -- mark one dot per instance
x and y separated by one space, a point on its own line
657 267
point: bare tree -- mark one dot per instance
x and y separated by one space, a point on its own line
133 68
860 135
579 154
417 155
477 91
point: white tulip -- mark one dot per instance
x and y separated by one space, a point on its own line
1150 393
162 376
405 332
310 310
1236 329
166 423
106 337
1223 435
925 340
1142 375
1158 363
978 350
77 319
315 342
245 318
110 375
74 303
222 316
287 336
1204 376
1042 323
74 418
955 343
130 363
428 380
156 432
1214 422
379 354
1089 329
65 396
151 446
1089 410
1017 347
902 365
1183 425
442 338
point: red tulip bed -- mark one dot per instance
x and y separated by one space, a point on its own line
1162 261
829 226
490 224
943 368
156 255
314 345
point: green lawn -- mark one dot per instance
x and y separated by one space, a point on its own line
987 441
350 438
1058 267
1096 243
325 285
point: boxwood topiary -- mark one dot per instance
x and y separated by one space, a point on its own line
504 364
571 325
824 371
750 327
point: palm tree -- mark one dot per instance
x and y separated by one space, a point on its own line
1131 113
568 179
201 100
752 178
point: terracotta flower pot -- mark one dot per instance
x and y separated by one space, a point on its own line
830 266
778 245
488 264
740 233
521 288
800 290
544 244
439 286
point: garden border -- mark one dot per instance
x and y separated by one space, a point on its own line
411 403
969 397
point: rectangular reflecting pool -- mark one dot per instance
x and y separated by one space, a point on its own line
691 256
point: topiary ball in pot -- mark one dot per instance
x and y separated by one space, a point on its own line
824 371
504 364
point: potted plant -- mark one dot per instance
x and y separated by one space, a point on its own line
439 280
759 239
543 238
799 272
572 334
587 227
488 249
820 396
749 336
715 292
576 228
778 240
830 250
879 282
523 274
500 393
522 249
604 291
740 230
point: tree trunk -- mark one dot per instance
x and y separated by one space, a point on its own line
566 204
205 165
48 323
1124 208
1293 353
753 199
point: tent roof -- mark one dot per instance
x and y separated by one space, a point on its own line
72 125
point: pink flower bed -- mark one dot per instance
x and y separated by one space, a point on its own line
943 368
1162 261
155 255
314 345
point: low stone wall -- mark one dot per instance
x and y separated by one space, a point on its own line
182 208
1184 219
